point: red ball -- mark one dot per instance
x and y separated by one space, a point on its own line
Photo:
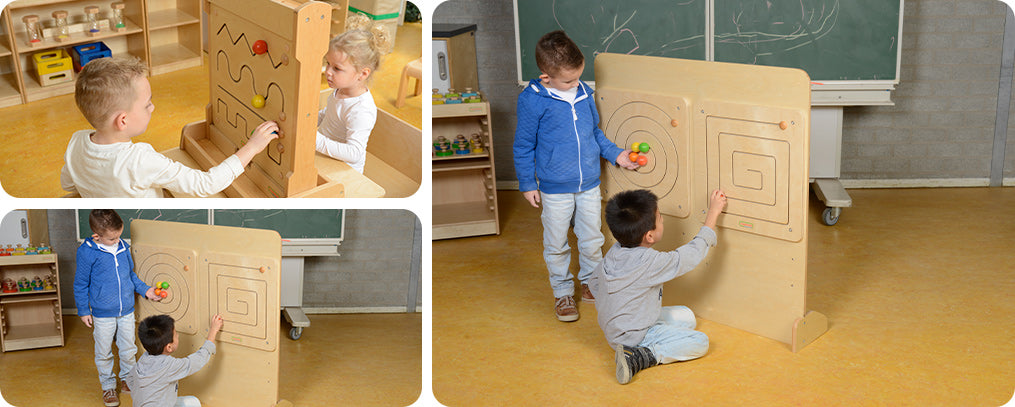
164 294
642 160
260 47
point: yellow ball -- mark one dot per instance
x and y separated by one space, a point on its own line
634 146
258 101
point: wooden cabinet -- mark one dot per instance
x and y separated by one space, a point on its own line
174 34
165 34
464 185
30 319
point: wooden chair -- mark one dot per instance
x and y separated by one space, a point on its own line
412 69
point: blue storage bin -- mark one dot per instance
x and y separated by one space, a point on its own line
84 53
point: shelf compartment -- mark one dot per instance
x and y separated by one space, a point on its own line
461 109
31 324
27 296
168 18
175 47
20 337
9 94
33 259
76 38
461 165
464 203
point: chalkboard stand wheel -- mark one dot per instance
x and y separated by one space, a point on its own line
835 197
298 319
284 403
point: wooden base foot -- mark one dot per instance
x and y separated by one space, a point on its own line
807 329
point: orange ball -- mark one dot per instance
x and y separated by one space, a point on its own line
633 157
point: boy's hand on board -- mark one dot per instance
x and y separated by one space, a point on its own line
624 160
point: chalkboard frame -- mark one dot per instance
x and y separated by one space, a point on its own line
823 92
290 246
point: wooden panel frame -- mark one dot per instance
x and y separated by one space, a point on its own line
752 281
238 374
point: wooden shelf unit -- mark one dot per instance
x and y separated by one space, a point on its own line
464 186
30 319
165 34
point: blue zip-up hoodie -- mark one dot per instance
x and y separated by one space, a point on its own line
104 283
559 143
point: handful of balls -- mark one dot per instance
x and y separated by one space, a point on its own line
636 147
160 289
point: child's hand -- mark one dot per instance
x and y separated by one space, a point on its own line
87 319
263 134
214 326
259 139
532 197
150 294
624 160
716 203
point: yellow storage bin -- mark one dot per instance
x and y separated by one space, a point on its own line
52 61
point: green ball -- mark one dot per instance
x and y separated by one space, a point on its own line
165 285
643 147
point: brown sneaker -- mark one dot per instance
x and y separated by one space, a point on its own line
565 309
109 397
124 388
587 294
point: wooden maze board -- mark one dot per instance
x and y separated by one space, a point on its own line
271 50
740 128
233 272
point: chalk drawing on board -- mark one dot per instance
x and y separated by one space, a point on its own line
173 266
660 121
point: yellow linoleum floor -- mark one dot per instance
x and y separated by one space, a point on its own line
916 283
35 135
341 360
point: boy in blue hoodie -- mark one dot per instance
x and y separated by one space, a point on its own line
104 287
557 148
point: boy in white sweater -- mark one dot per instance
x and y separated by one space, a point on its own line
628 285
156 375
116 98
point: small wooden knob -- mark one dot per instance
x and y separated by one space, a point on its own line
783 125
674 123
280 148
263 269
186 268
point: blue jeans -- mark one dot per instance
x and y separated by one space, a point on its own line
673 338
104 330
557 212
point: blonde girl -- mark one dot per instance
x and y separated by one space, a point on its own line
343 127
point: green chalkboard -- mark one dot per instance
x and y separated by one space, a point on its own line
199 216
665 28
830 39
854 40
290 223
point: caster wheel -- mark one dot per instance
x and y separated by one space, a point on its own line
830 216
295 333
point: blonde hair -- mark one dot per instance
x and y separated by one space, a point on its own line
105 86
363 43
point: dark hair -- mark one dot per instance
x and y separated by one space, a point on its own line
630 215
155 332
556 51
104 220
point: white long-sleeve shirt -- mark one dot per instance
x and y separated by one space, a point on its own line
343 128
136 170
